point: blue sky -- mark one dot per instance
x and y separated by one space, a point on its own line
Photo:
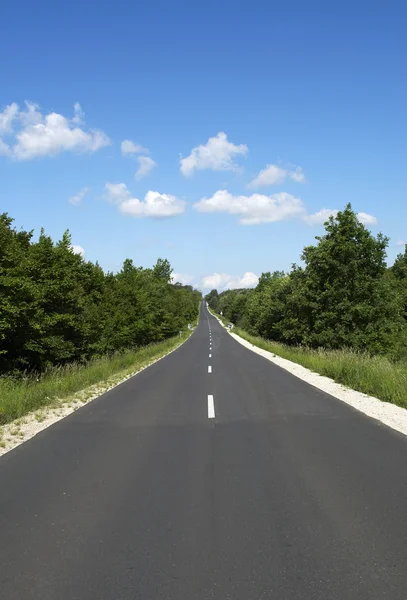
280 111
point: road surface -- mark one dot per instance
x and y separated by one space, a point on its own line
237 482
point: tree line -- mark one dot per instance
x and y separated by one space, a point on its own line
56 307
342 296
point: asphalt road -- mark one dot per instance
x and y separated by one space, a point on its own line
244 483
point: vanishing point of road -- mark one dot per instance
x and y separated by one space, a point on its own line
213 474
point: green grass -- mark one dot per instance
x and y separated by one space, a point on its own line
218 316
373 375
19 397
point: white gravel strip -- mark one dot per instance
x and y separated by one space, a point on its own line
391 415
19 431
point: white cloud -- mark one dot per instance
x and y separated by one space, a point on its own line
215 281
253 209
79 115
259 208
30 116
78 250
366 219
4 149
320 217
146 164
182 278
275 175
271 175
7 118
117 192
35 135
222 281
400 243
249 279
77 198
129 147
54 135
217 154
297 175
154 205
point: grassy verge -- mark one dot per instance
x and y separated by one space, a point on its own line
376 376
218 316
17 398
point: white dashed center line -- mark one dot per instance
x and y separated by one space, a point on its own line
211 407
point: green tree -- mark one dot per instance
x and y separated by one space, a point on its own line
16 295
345 298
56 308
267 306
163 270
212 299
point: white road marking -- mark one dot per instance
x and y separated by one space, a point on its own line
210 356
211 407
209 369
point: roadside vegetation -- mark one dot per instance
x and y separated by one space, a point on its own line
342 313
65 323
374 375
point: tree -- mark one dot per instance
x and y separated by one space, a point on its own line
267 305
399 273
16 294
343 296
212 299
346 300
163 270
232 304
56 308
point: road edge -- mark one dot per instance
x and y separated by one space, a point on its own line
23 429
389 414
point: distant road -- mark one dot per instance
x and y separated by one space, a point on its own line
213 474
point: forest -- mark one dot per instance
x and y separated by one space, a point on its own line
57 308
342 296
